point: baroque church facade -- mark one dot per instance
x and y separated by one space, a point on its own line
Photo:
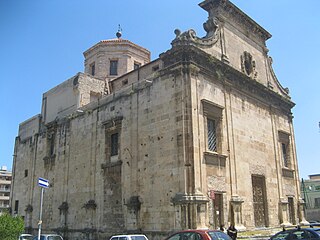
199 137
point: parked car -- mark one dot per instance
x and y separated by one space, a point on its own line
199 234
129 237
314 224
25 236
48 237
297 233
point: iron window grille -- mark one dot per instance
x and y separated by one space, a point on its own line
212 135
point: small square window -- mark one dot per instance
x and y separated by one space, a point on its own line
125 82
136 65
155 68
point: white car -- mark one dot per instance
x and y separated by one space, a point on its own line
25 236
48 237
129 237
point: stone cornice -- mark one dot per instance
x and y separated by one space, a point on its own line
225 11
228 76
117 42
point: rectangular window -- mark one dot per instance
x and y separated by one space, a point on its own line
26 173
212 135
213 126
284 141
113 67
51 150
16 206
114 144
93 69
136 65
317 203
50 143
284 152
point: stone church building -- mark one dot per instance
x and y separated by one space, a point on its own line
199 137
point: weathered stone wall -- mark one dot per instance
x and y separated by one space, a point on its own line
70 95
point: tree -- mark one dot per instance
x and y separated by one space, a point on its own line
10 227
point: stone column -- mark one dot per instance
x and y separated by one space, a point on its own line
236 212
191 211
284 214
301 213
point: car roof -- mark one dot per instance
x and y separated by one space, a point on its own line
50 234
199 230
125 235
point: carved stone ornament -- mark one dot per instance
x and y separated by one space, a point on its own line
91 204
29 208
64 207
189 37
248 65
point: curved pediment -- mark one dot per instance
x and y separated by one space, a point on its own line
190 37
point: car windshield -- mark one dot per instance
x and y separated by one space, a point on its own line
280 236
218 236
54 238
138 238
25 237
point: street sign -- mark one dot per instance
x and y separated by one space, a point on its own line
44 183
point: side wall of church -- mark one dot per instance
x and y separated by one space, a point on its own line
250 143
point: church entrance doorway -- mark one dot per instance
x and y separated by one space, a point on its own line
259 201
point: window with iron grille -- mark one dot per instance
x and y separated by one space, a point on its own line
284 140
114 144
212 135
285 159
114 67
213 126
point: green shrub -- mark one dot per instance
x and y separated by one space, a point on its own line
10 227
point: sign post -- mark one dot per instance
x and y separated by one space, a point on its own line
43 183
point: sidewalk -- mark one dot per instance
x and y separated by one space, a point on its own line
258 234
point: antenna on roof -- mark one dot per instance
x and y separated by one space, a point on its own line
119 34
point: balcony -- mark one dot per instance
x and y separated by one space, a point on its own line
5 182
5 189
4 198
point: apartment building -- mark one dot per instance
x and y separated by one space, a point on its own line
5 188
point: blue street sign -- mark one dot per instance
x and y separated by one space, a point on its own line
43 183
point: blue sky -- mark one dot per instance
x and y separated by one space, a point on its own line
42 42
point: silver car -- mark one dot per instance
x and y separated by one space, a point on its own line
25 236
129 237
48 237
